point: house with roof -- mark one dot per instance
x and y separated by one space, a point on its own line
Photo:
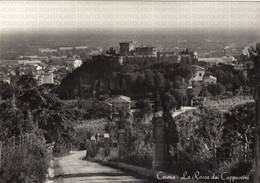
29 62
210 79
228 60
211 61
65 48
119 103
45 78
197 73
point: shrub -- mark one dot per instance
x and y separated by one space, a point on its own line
138 159
26 165
197 131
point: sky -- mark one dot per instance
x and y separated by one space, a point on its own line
127 15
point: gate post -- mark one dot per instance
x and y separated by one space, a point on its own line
93 146
88 148
158 140
107 144
121 142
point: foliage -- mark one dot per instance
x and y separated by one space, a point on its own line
253 73
93 108
26 82
149 80
14 121
229 78
216 89
181 97
139 146
204 92
197 130
7 91
88 128
170 131
36 111
144 107
138 159
102 75
239 125
201 130
27 165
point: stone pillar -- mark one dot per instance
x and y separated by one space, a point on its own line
88 147
92 146
107 144
158 140
257 108
121 142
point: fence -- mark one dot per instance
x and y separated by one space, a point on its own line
16 144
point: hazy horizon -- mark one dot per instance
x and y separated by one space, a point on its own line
127 17
196 25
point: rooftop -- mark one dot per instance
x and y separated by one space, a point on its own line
197 67
119 99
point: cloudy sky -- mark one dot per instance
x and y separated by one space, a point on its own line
118 15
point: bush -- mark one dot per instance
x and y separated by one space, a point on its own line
197 131
27 165
139 159
191 165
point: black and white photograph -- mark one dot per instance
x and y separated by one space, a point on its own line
136 91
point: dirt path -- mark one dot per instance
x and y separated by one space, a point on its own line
74 169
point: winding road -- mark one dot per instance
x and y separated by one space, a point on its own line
75 169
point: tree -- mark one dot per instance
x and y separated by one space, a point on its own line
7 91
127 68
216 89
181 97
168 85
26 82
170 129
184 71
197 131
139 83
204 92
144 106
239 125
149 81
159 82
236 83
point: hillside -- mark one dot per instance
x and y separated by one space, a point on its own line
106 76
